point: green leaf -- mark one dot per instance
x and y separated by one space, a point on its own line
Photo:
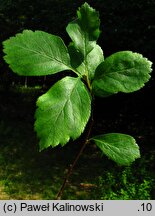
93 59
36 53
121 148
101 93
62 112
123 71
84 31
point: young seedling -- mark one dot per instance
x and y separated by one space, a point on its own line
64 110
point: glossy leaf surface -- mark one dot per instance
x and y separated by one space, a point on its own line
89 64
84 32
120 148
62 112
36 53
123 71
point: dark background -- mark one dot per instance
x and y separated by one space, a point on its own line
125 25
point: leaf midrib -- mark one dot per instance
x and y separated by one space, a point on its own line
111 147
68 98
42 53
118 72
